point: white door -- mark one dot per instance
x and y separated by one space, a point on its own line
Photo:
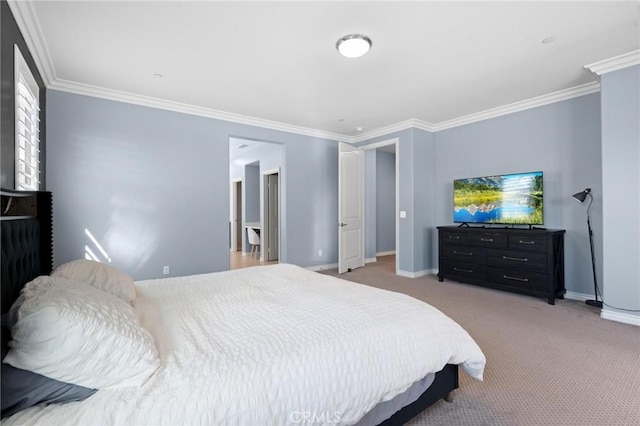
350 208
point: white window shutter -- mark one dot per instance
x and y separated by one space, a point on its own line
27 122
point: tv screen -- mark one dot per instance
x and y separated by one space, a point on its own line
504 199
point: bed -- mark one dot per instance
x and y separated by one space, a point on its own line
266 345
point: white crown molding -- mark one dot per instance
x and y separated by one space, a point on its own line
29 26
616 63
549 98
149 101
403 125
122 96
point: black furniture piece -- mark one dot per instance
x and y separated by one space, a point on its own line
527 261
27 240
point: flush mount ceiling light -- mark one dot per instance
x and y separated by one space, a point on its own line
353 45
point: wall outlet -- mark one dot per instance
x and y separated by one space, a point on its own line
403 214
165 270
320 252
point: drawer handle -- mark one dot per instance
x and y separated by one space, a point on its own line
454 237
526 242
518 259
462 252
516 278
490 240
463 270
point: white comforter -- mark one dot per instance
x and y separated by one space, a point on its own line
272 345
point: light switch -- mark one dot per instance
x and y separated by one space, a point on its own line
403 214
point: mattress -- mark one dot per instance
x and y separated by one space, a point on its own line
267 345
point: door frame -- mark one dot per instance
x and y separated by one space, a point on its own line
381 144
234 214
264 234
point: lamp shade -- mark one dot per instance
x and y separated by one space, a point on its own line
582 195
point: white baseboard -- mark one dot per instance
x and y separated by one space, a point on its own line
386 253
620 317
416 274
371 260
578 296
322 267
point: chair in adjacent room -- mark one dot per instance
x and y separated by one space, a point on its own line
254 240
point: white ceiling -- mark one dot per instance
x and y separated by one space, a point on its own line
431 61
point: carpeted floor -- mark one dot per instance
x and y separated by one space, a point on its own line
546 365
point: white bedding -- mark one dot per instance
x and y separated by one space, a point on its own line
271 345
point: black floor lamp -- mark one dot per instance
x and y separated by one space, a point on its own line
581 197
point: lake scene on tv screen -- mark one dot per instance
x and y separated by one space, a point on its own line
505 199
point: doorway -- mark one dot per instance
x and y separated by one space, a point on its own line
254 205
379 231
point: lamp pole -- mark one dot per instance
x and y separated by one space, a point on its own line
597 303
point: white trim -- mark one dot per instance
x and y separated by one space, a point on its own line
403 125
386 253
620 317
149 101
30 28
616 63
560 95
572 295
380 144
370 260
316 268
416 274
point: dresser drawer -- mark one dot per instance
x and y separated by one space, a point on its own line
488 240
464 253
453 237
518 278
464 270
529 243
518 259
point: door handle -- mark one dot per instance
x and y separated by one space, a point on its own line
342 224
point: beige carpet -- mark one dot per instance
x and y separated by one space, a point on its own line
546 365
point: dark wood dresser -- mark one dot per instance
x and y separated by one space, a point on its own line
528 261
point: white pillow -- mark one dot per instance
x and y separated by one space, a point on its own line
100 275
75 333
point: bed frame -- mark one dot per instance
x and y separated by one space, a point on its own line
27 252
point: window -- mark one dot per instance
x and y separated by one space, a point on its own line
27 108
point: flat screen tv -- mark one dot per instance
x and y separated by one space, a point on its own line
514 199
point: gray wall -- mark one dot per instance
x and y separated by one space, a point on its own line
562 140
424 202
620 96
251 193
370 187
152 186
385 180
